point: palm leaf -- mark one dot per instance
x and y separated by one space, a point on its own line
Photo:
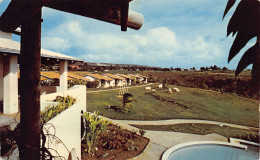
229 5
247 59
240 41
237 17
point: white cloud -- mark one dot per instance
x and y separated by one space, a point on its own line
157 46
56 43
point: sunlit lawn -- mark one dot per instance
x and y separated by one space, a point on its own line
202 104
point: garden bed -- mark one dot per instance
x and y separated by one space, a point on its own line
116 144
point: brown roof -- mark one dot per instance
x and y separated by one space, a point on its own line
135 75
142 76
51 75
99 77
125 76
42 78
71 75
114 76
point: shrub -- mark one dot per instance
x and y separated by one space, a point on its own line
93 127
74 82
92 84
51 112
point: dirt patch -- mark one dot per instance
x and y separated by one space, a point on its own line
117 144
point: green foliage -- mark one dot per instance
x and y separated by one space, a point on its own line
52 111
74 82
93 126
92 84
128 98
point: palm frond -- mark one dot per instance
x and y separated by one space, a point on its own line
245 22
229 5
240 41
247 59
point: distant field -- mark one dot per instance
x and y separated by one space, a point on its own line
211 80
200 104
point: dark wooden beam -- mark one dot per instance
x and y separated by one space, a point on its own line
30 62
124 15
112 11
18 12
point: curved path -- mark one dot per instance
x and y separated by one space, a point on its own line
183 121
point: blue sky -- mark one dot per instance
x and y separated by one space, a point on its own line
187 33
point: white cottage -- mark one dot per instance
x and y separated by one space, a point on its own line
117 81
104 82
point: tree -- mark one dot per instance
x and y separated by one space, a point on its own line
245 23
128 98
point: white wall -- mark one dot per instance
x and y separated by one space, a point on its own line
67 124
63 75
90 78
5 34
10 84
68 129
77 91
1 78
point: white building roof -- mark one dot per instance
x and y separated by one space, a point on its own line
11 46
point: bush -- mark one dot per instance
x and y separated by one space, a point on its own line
93 127
74 82
51 112
92 84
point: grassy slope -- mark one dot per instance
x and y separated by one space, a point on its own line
203 104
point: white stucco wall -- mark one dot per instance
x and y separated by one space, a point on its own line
113 83
77 91
67 124
90 78
63 75
1 78
68 129
5 34
10 84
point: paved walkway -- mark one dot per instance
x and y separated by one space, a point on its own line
162 140
119 88
183 121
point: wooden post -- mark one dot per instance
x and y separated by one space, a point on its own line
30 96
124 15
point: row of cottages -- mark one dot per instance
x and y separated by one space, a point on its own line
104 82
116 80
139 78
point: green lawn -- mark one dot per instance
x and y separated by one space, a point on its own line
204 129
202 104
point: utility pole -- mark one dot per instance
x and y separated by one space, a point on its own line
30 62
